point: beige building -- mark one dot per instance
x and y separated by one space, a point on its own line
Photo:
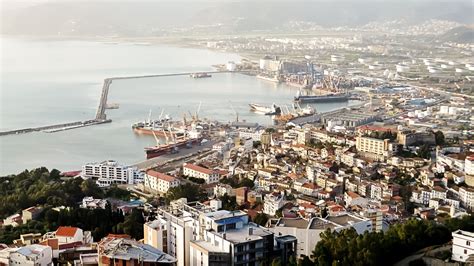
210 176
158 182
375 148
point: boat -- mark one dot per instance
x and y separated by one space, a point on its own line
200 75
267 78
266 110
339 97
303 111
160 127
171 148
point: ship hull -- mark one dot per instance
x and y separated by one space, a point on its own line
320 99
154 152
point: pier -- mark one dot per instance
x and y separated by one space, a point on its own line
101 117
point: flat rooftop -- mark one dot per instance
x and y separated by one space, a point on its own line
243 234
207 246
295 222
321 224
344 220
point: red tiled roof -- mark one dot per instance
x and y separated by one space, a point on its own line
198 168
67 231
376 128
353 195
310 185
161 176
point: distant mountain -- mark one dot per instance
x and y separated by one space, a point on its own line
144 18
459 35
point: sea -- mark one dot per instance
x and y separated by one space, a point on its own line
45 82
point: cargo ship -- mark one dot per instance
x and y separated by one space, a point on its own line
266 110
200 75
160 127
171 148
341 97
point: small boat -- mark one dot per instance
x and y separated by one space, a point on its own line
266 110
200 75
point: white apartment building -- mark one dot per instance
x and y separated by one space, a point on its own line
158 182
34 255
210 176
196 234
463 246
466 196
272 203
110 172
469 165
255 135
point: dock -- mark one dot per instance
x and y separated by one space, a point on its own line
100 117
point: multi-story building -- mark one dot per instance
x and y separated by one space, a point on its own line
200 235
34 255
273 202
463 246
121 250
466 196
375 146
307 232
157 182
110 172
255 135
210 176
469 165
376 217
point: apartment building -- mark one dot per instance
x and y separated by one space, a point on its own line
210 176
110 172
463 246
157 182
31 255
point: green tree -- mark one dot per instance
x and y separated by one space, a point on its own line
439 137
189 191
261 219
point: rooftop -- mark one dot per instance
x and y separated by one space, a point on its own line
161 176
321 224
293 222
249 232
344 220
198 168
127 249
67 231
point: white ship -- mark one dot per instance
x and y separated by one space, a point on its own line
266 110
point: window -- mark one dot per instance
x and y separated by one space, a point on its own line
465 251
240 248
468 243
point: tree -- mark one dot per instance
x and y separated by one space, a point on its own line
261 219
228 202
424 152
439 137
276 262
188 191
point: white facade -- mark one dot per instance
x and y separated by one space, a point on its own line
210 176
272 203
466 195
34 255
159 182
469 165
463 245
255 135
110 172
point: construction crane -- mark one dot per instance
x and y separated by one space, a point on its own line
236 113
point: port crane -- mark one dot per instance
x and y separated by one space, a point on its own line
236 113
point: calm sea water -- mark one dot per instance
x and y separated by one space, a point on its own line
47 82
